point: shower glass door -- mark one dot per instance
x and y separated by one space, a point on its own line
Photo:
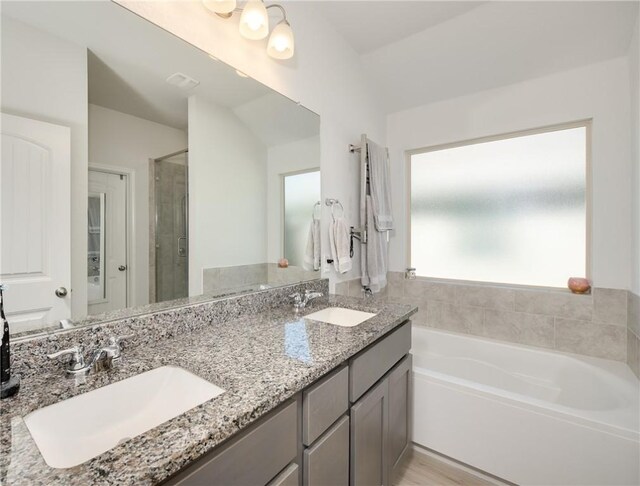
171 228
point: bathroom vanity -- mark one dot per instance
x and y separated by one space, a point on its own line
349 427
304 401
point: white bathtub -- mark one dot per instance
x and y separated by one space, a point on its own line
526 415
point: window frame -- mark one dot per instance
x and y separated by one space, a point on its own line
584 123
283 176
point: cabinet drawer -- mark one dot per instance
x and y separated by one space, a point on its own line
288 477
326 463
371 365
323 404
256 457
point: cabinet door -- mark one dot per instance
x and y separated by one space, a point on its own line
369 423
326 463
399 401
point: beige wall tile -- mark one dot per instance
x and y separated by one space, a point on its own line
355 288
633 305
610 306
584 337
452 317
395 277
421 289
633 352
342 288
518 327
395 291
554 303
486 296
421 317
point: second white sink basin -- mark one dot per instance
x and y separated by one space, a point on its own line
340 316
73 431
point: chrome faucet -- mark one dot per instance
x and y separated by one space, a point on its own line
101 359
301 301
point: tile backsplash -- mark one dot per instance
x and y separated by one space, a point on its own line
593 325
29 355
223 280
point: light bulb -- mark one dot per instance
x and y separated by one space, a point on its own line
220 6
281 45
254 21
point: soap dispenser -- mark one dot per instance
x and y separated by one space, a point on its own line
9 385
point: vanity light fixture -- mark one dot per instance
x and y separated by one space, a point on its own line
254 24
221 7
254 20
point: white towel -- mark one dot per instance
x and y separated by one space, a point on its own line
374 257
339 240
380 183
312 250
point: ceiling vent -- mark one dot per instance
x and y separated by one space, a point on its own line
182 81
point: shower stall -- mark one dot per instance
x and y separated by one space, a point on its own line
169 262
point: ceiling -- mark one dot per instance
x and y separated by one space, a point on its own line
128 70
419 52
414 52
369 25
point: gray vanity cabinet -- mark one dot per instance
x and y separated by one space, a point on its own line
380 418
254 457
349 428
369 429
289 477
326 462
399 400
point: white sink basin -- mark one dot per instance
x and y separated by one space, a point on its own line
73 431
340 317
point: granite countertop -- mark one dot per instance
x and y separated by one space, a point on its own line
260 361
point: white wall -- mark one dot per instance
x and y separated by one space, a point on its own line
118 139
45 78
282 159
325 75
599 91
634 72
227 192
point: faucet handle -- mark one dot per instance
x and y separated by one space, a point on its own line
297 297
77 357
119 339
114 344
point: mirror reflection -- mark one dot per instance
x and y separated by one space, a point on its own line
140 173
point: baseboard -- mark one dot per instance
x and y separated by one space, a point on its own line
461 465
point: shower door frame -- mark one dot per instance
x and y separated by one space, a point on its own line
155 217
130 177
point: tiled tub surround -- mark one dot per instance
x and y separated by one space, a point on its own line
222 280
633 333
260 355
593 325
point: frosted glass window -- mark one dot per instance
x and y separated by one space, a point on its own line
505 211
301 193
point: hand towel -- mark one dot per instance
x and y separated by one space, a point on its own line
380 184
339 241
311 259
374 256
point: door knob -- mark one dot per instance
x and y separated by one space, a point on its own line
61 292
122 268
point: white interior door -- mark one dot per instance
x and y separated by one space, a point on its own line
35 222
111 293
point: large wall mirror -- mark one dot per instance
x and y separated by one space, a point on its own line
140 173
